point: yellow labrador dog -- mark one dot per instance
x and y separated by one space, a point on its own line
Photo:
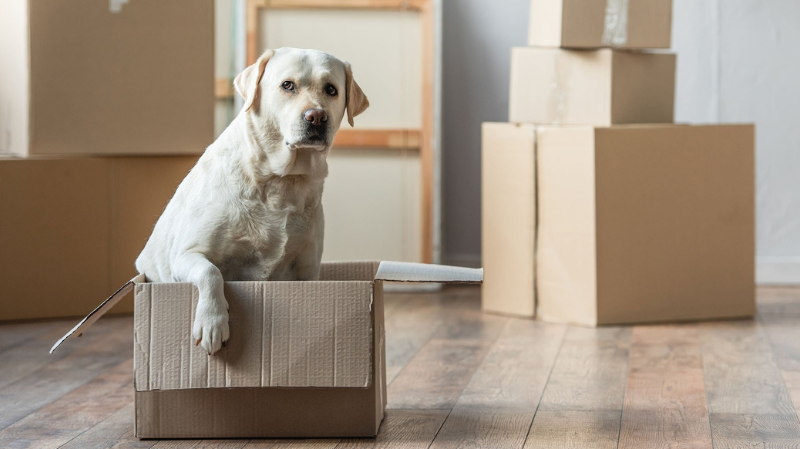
250 209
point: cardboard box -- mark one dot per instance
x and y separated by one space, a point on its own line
597 87
508 217
79 221
305 359
115 77
600 23
635 224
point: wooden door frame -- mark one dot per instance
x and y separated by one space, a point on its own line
422 138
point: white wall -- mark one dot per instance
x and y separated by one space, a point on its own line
739 61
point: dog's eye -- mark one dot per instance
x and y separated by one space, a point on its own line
331 90
288 85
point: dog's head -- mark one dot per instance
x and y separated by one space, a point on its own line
297 100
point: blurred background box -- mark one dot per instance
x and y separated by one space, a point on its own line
591 87
72 228
600 23
106 77
626 224
645 223
509 217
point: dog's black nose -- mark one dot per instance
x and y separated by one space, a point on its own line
315 117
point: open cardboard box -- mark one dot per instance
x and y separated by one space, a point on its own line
305 359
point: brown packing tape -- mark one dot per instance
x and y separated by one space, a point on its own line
615 23
557 101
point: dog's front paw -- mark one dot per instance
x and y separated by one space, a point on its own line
210 329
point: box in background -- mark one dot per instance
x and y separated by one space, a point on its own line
636 224
72 228
508 217
600 23
305 359
597 87
89 77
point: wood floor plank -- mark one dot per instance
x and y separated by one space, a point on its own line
779 316
497 406
582 402
28 356
446 354
407 331
665 398
114 432
420 317
735 431
64 419
740 374
393 301
406 429
436 376
792 381
292 444
14 334
748 401
200 444
96 353
574 429
591 370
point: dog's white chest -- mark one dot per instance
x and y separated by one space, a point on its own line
271 231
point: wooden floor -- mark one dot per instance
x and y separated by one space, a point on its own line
459 378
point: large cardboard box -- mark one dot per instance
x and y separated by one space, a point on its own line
597 87
600 23
509 217
635 224
80 223
106 77
305 359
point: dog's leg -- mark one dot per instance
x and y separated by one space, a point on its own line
210 327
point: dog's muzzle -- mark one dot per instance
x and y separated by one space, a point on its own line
315 132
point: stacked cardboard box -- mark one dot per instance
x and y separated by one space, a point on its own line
104 107
597 209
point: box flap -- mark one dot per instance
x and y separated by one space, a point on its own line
99 311
420 272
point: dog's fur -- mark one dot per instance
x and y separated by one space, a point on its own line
250 209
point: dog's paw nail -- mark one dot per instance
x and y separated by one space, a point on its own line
224 343
197 343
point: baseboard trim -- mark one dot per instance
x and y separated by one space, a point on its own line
778 270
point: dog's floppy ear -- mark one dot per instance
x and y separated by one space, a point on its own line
357 102
246 83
